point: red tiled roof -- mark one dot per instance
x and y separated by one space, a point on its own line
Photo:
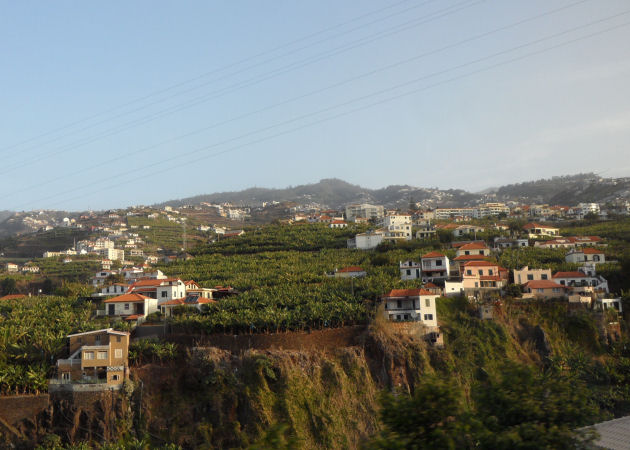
474 246
479 263
542 284
430 285
408 293
351 269
127 298
339 222
591 251
133 317
575 274
470 258
12 297
433 255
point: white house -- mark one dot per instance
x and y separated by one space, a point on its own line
585 255
579 280
337 223
464 230
115 289
435 266
130 306
417 305
398 225
163 289
453 288
366 241
410 270
537 230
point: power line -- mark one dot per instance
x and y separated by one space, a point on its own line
225 76
376 103
311 93
203 75
243 84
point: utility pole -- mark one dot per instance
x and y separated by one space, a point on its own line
184 224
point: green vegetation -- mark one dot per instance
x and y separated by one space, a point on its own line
33 334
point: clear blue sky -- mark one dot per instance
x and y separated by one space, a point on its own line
117 103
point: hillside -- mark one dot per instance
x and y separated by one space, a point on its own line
334 193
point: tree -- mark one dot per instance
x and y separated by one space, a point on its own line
8 286
433 417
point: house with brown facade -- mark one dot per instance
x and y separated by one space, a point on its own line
97 357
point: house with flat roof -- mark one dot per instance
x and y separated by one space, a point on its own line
98 357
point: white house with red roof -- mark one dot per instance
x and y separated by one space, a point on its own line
570 242
413 305
587 255
435 266
338 223
163 290
130 306
473 249
583 280
535 230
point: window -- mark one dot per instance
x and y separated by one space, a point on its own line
65 376
541 290
118 339
543 276
427 302
164 294
118 353
398 303
126 306
88 355
438 262
466 252
428 317
469 272
595 257
480 271
115 377
101 355
489 271
530 277
408 272
481 252
97 339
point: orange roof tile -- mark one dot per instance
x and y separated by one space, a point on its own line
433 255
542 284
408 293
479 263
474 246
351 269
12 297
471 258
127 298
574 274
